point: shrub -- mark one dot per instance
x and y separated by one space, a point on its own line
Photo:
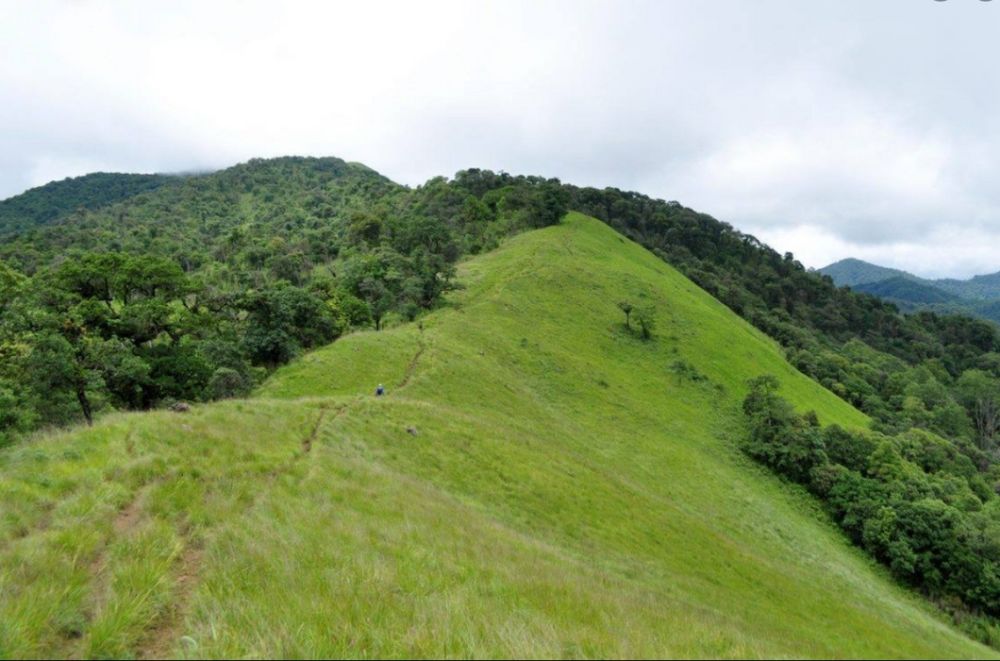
912 501
226 383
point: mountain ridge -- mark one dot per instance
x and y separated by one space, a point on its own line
201 290
41 205
537 479
976 296
852 271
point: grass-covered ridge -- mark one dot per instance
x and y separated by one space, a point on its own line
538 482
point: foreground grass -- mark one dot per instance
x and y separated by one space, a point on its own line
538 482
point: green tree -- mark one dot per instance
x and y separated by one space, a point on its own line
979 393
282 320
55 366
626 307
645 316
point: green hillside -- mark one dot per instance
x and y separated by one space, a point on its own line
537 482
42 205
904 290
976 297
977 288
850 272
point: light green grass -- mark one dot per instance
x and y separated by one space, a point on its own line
537 482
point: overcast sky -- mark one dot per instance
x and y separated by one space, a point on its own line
866 128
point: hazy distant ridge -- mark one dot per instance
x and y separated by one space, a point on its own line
979 296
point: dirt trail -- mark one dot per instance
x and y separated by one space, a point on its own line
307 442
125 521
411 367
129 517
159 641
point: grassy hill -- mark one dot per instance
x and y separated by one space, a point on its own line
537 482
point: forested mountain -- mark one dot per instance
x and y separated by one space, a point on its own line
980 287
199 288
978 296
900 289
850 272
42 205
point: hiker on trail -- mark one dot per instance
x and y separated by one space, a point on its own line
380 390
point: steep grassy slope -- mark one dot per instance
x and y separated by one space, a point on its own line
537 482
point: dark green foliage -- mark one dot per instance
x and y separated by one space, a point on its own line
44 204
914 501
778 437
849 449
283 320
226 382
904 290
979 392
195 289
15 414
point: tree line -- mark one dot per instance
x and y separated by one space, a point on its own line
925 507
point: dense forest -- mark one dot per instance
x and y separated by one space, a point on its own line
50 202
194 288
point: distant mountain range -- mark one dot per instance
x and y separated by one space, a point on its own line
979 296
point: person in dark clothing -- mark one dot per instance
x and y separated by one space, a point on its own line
380 390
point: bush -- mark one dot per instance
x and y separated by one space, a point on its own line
226 383
645 316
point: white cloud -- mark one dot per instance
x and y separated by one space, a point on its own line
871 121
947 251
